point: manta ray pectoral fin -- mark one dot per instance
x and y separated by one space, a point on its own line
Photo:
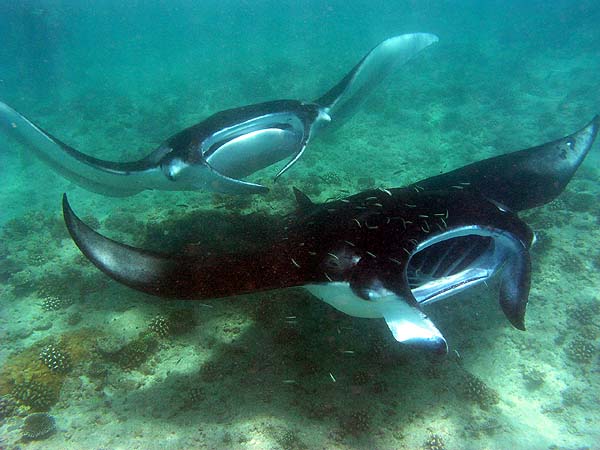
303 201
185 274
103 177
514 287
145 271
341 100
526 178
411 326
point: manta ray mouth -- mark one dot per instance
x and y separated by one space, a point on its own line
449 266
466 256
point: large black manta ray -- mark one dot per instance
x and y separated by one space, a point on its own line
382 252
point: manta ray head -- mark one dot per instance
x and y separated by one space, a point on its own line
395 270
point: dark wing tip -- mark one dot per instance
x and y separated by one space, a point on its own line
303 200
68 215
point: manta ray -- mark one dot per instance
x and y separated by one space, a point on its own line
381 253
217 153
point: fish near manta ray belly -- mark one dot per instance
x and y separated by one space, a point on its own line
380 253
360 245
370 248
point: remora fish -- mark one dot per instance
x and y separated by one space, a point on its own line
215 154
380 253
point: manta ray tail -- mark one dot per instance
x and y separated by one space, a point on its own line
341 100
103 177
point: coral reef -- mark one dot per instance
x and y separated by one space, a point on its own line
586 314
361 377
475 390
135 353
480 426
579 201
36 255
53 303
8 406
74 318
124 223
38 426
331 178
357 423
434 442
56 359
231 202
289 440
175 323
181 321
590 333
159 325
571 396
580 350
196 395
69 284
31 382
534 378
210 372
36 395
320 410
58 285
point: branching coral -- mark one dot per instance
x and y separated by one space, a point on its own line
8 406
434 442
135 353
289 440
38 426
33 383
159 325
580 350
56 359
357 423
38 396
175 323
476 390
53 303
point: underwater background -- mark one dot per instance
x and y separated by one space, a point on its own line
281 370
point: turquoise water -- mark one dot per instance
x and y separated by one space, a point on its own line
114 79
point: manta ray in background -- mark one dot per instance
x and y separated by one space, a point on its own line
380 253
215 154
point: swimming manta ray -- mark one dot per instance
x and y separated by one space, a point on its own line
215 154
380 253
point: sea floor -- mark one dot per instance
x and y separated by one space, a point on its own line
280 370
